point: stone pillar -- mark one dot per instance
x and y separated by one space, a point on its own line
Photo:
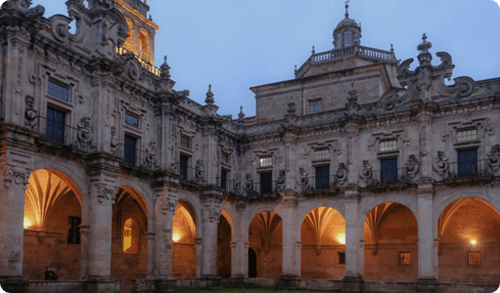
239 258
244 261
11 227
298 261
166 204
84 246
427 250
198 242
234 259
289 203
210 219
353 280
102 198
424 113
150 239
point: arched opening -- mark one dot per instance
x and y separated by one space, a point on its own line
265 238
469 250
224 246
129 245
183 234
144 46
52 215
128 41
323 244
391 249
252 263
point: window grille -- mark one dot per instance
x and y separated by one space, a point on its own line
266 162
58 91
321 154
315 106
405 258
131 120
389 145
474 258
341 258
467 135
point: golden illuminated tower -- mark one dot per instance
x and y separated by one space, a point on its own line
142 30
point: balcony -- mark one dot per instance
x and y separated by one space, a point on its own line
136 158
386 178
146 65
189 174
251 190
458 171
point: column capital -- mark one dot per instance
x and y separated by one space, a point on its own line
13 175
104 192
289 200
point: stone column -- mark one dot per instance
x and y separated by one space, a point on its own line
11 227
353 280
238 257
210 219
427 250
234 259
244 261
102 198
164 213
84 246
289 203
198 242
150 239
298 260
425 113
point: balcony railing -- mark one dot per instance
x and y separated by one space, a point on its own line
189 174
136 157
457 170
250 189
146 65
382 178
61 134
322 182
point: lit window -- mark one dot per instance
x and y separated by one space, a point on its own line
315 106
185 142
474 258
130 237
132 120
467 135
405 258
389 145
266 162
58 91
341 258
321 154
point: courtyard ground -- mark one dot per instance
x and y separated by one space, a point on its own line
239 290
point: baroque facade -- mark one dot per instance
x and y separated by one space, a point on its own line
359 174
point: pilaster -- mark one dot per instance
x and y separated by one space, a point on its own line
289 203
198 244
212 206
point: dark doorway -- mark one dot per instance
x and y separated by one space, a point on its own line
252 263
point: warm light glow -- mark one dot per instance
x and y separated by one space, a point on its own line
176 238
26 224
473 242
341 239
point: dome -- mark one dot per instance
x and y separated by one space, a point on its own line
347 22
347 33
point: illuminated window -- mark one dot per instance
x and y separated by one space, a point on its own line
474 258
315 106
266 161
143 47
389 145
132 120
131 237
322 154
341 258
467 135
58 91
185 142
405 258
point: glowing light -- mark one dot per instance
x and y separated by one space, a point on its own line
176 238
341 239
26 224
473 242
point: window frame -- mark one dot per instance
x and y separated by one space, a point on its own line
266 161
136 139
56 110
469 258
188 139
268 187
341 256
401 258
75 238
59 84
131 115
311 103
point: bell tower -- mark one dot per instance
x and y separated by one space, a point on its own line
142 30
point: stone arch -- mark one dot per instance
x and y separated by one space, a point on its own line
195 210
129 40
303 210
185 231
229 219
144 45
257 210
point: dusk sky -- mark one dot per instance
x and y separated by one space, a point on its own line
237 44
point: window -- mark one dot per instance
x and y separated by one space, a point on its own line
185 142
322 154
129 149
474 258
223 178
467 135
225 158
389 170
315 106
322 177
184 160
55 125
58 91
387 146
131 120
266 161
74 230
341 258
405 258
266 183
467 163
348 39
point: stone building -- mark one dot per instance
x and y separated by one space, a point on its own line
359 174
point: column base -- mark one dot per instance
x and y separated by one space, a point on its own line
287 282
165 285
101 285
14 285
213 282
353 284
426 285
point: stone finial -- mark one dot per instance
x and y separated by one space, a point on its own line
425 46
392 48
424 57
241 115
165 70
313 51
210 96
347 9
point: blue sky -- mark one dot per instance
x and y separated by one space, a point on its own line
237 44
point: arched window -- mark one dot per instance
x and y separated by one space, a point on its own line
131 237
128 41
143 47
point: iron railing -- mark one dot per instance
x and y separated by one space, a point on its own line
381 178
135 157
146 65
189 174
458 170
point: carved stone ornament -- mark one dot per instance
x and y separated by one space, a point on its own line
151 157
494 159
23 6
30 114
114 142
441 165
105 192
199 170
366 173
281 180
84 135
237 183
412 167
248 182
302 178
341 175
10 175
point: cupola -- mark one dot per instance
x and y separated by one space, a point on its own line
347 33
